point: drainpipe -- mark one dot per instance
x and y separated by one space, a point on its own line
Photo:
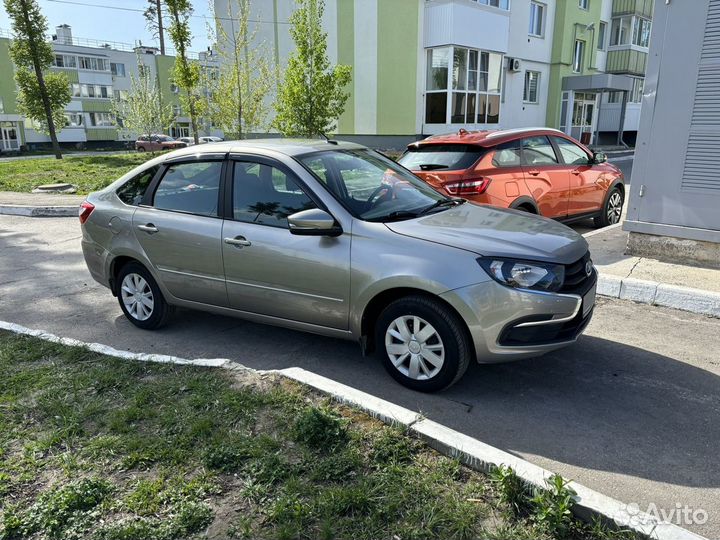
621 128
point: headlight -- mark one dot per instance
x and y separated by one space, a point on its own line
525 275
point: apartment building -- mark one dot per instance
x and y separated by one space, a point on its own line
422 67
98 73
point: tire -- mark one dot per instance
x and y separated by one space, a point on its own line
612 209
135 277
449 341
141 149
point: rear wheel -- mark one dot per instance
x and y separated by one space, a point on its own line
141 149
422 343
140 297
612 209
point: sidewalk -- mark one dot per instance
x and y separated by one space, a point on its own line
39 204
649 281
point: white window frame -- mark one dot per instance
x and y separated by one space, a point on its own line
102 119
584 4
526 87
534 8
601 44
501 4
578 56
115 71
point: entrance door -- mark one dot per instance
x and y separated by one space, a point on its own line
583 117
9 137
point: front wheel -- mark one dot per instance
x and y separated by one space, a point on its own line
422 343
140 297
612 209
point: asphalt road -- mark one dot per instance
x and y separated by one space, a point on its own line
632 410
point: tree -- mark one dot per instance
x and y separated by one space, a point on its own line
143 111
185 73
42 95
154 22
312 95
245 78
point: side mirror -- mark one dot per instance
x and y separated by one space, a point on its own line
599 157
313 222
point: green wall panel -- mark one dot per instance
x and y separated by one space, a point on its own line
346 56
99 134
96 105
70 73
8 92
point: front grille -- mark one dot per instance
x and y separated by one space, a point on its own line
576 279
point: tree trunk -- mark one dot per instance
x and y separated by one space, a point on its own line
43 89
161 34
193 120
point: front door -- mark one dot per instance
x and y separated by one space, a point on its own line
270 271
546 178
9 138
179 228
583 117
586 194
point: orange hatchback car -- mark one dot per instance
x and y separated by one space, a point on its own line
539 170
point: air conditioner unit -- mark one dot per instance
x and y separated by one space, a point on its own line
514 64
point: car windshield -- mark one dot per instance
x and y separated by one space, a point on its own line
431 157
373 187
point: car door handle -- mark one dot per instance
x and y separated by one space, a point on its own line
534 172
148 228
576 172
238 241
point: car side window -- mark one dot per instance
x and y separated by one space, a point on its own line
266 195
571 153
190 187
538 151
132 191
507 154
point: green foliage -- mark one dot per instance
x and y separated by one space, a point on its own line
553 507
320 429
512 490
42 96
312 94
143 111
245 79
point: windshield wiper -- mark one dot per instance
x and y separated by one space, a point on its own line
441 203
396 215
431 166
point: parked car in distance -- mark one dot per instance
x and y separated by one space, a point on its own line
538 170
157 142
189 141
210 139
338 240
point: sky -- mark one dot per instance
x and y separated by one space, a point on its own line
114 20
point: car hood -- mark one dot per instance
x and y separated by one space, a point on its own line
491 231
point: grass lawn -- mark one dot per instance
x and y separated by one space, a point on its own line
88 173
100 448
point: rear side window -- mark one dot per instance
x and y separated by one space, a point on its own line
190 187
538 151
507 154
132 191
434 157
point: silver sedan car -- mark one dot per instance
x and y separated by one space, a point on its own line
336 239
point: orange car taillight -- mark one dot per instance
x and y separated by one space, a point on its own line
468 187
86 209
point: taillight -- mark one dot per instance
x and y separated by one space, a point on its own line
468 187
86 209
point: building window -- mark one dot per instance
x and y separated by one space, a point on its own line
174 88
641 32
637 91
537 19
177 110
91 90
530 93
93 64
117 69
584 4
101 119
120 95
630 30
578 56
75 89
65 61
614 97
602 30
465 81
73 119
502 4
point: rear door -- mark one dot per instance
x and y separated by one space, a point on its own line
270 271
546 178
179 228
585 192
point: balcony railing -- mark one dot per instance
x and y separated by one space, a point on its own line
644 8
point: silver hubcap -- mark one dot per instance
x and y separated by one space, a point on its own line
614 208
137 297
414 347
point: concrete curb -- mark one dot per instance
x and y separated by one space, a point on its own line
660 294
474 453
39 211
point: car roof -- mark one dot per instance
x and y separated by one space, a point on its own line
488 137
290 147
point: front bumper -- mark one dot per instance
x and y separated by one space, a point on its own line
511 324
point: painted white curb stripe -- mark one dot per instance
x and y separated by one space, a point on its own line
472 452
